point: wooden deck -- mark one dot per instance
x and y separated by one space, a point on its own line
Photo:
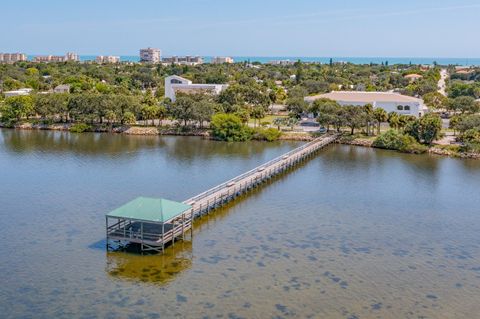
152 236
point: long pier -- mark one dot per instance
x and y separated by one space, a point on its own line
155 234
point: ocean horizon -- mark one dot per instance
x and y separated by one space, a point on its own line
354 60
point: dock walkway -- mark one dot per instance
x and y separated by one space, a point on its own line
154 233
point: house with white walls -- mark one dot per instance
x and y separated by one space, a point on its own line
389 101
175 84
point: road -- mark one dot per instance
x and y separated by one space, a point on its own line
441 82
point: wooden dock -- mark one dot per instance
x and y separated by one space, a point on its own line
155 234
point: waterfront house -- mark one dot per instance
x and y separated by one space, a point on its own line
175 84
390 102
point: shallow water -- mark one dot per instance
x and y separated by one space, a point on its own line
352 233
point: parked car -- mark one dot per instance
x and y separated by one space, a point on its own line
309 123
322 130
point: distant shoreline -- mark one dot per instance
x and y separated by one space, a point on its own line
355 60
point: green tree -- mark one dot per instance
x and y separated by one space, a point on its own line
435 100
354 117
150 112
327 111
394 120
425 129
463 104
296 106
257 114
18 107
380 116
183 108
229 127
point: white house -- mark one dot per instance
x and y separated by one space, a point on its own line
390 102
175 83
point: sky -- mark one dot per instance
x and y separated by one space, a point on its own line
335 28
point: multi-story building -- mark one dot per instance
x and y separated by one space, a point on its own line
222 59
70 56
183 60
107 59
12 57
150 55
175 84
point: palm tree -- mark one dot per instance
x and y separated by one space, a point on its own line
381 116
394 120
368 110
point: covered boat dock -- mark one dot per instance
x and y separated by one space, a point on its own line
150 222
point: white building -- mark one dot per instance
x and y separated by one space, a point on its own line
12 57
18 92
175 84
107 59
183 60
69 56
281 62
390 102
222 60
62 88
150 55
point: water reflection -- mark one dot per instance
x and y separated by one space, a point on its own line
90 144
115 145
153 268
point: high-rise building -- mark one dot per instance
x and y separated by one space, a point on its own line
107 59
12 57
150 55
70 56
222 59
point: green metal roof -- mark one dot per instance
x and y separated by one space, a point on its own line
150 209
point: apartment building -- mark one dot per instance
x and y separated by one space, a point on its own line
69 56
12 57
150 55
222 59
107 59
183 60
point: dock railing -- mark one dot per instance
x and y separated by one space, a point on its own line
321 141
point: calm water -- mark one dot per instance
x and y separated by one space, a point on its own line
353 233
